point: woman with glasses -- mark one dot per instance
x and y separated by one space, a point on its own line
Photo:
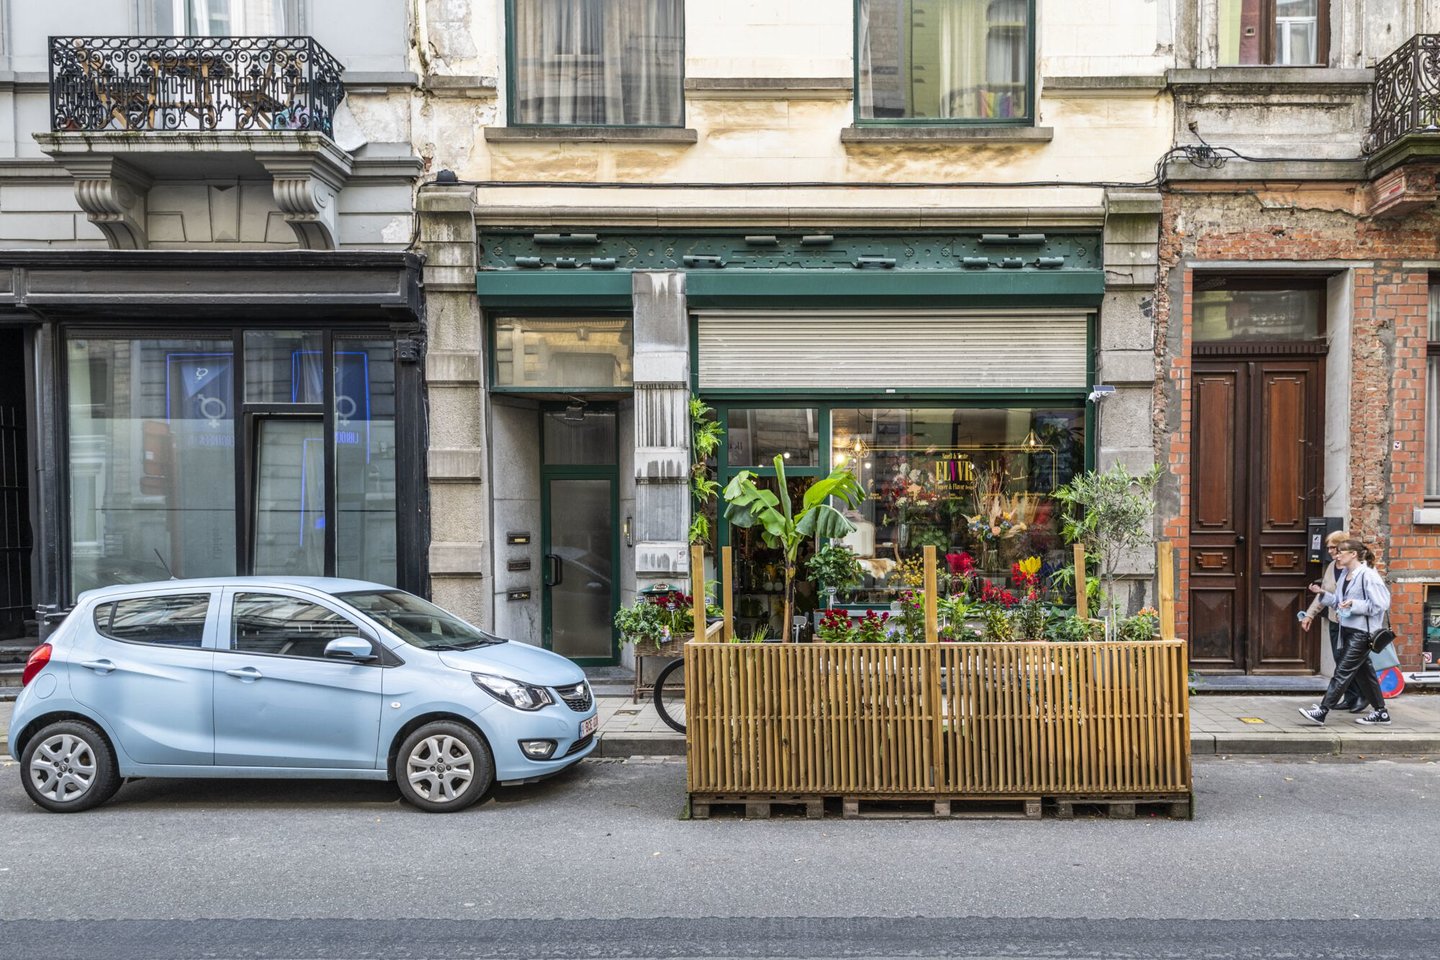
1361 599
1351 701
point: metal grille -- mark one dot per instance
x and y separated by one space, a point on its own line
1407 92
579 745
148 84
577 698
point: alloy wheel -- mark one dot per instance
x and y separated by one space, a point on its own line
63 768
441 768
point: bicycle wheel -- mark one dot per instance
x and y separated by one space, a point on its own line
670 695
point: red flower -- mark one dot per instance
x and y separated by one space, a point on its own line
961 564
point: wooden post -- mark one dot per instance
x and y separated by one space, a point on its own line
727 595
697 588
1165 567
1082 602
932 627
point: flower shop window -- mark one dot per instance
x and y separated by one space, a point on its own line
973 482
944 60
756 435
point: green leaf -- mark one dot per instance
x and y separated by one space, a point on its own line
823 520
841 484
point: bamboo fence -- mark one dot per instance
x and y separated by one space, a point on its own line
941 719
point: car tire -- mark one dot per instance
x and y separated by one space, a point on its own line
444 766
69 766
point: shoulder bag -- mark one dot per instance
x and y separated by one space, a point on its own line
1382 638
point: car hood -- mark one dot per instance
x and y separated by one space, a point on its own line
518 661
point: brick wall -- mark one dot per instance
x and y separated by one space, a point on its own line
1387 368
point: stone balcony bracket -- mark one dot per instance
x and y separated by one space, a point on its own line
113 172
113 195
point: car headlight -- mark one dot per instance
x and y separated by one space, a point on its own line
522 696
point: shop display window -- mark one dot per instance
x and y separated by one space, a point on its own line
756 436
974 482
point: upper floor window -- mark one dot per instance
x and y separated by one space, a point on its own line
1290 33
1432 396
944 60
583 63
224 18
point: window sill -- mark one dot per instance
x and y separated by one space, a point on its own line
1427 516
679 135
1259 76
946 134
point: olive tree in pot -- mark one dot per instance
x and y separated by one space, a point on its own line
781 526
1110 513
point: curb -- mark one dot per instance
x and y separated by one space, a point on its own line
1313 746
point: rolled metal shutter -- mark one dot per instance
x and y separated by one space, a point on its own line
742 350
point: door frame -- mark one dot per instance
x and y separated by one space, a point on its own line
611 473
1252 356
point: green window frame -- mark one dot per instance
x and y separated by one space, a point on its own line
989 101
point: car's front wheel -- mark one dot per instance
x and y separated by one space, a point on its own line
69 766
444 766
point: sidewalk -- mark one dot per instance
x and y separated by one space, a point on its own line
1218 726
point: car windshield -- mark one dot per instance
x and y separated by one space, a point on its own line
418 622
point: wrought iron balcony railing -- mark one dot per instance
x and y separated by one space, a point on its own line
151 84
1407 92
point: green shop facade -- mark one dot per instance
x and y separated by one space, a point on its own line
949 371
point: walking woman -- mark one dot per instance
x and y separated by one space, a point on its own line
1351 701
1361 599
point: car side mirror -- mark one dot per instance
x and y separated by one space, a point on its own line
356 649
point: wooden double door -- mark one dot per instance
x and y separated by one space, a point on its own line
1256 456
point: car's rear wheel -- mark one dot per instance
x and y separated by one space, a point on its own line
68 766
444 766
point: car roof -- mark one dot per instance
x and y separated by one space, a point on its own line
329 585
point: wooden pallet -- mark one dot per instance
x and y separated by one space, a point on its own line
761 806
942 808
757 806
1126 808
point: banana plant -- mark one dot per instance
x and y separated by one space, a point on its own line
750 505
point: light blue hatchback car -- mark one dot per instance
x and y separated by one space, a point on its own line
292 678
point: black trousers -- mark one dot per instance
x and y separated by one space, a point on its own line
1354 665
1351 697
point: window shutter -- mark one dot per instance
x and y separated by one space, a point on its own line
954 350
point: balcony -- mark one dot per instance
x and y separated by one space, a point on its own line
151 84
1403 144
128 111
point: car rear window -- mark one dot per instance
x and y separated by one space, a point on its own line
175 620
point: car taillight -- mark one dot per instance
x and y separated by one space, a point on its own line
35 664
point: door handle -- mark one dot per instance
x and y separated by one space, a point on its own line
556 572
99 666
1239 539
247 674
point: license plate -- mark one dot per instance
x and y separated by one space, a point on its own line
588 726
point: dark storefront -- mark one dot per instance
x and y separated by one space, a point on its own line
212 414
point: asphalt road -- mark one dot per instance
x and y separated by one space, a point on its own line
1312 859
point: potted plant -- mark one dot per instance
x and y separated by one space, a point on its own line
1110 513
835 568
781 526
656 622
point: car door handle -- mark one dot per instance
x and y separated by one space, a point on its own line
99 666
247 674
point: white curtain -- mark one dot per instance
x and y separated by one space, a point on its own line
220 18
600 62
